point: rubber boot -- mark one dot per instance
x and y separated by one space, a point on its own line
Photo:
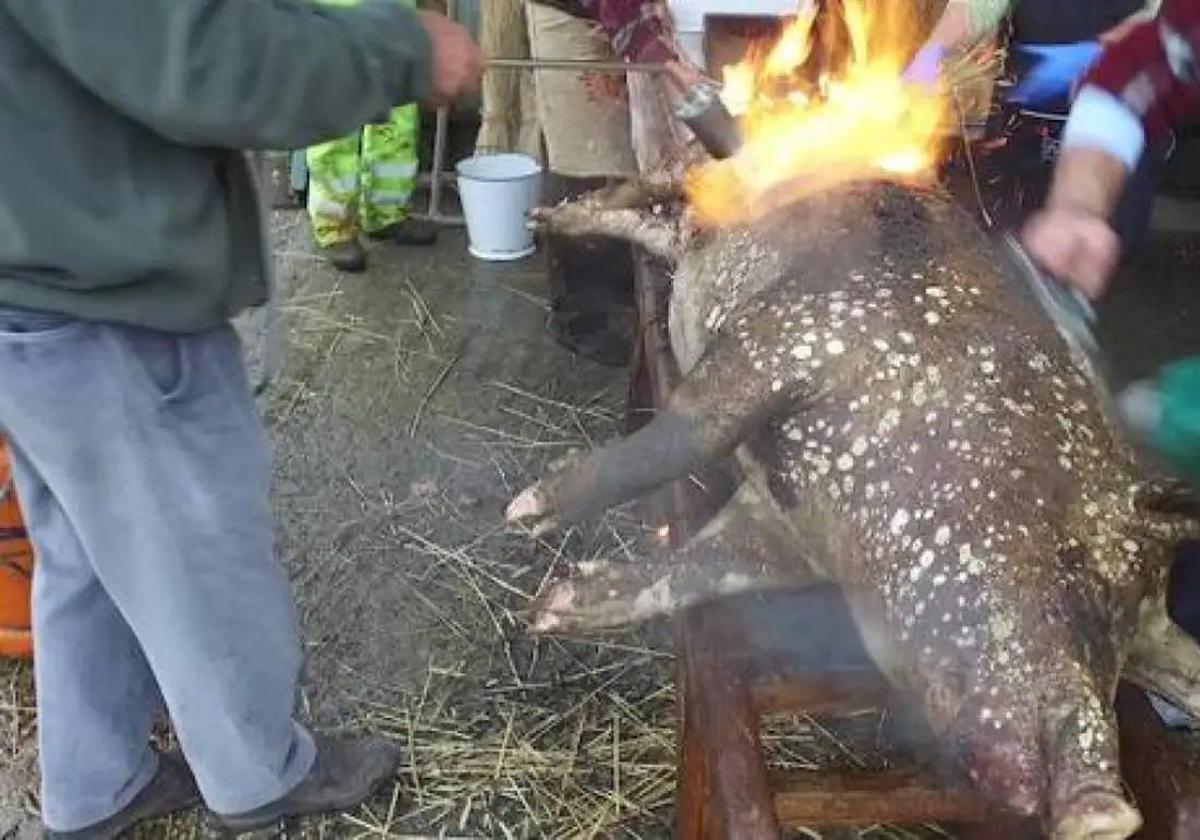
348 256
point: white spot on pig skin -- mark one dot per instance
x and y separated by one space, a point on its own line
654 599
835 348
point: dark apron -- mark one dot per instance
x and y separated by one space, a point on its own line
1015 164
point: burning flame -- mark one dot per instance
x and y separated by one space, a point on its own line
857 121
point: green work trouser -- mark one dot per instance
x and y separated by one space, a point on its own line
363 181
1177 437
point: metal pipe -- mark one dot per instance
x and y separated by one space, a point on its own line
702 110
582 66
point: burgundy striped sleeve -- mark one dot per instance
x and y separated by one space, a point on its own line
1153 70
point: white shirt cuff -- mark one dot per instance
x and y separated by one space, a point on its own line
1101 121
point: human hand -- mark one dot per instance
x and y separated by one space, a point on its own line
457 59
1074 246
926 66
1124 28
604 88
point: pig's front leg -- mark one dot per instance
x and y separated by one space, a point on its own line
719 403
747 546
661 235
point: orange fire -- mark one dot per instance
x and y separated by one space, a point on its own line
857 121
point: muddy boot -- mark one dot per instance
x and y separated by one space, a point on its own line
410 232
346 256
345 774
172 789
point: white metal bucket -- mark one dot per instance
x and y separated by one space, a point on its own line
497 193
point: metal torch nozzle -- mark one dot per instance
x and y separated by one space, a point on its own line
701 109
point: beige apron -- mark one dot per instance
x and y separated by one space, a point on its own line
584 138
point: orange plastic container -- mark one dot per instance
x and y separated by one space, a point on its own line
16 570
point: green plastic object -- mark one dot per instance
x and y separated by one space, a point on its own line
1177 437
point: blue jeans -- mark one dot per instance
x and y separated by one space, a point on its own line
143 470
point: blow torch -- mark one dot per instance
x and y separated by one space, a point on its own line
698 105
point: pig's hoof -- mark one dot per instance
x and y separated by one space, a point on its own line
533 509
1100 815
557 602
605 598
574 606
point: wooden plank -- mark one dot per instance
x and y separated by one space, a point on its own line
819 694
859 798
720 713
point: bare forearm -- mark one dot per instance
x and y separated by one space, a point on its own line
1087 180
953 28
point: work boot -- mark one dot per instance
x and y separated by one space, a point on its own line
345 774
172 789
409 232
346 256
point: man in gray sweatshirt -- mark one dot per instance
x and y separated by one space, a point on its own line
130 234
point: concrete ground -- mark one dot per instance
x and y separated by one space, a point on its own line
416 399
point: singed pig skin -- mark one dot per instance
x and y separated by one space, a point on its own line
914 429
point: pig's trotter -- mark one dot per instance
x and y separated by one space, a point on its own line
625 594
1087 800
1166 660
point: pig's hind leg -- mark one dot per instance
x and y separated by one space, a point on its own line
1166 660
746 547
1086 796
721 402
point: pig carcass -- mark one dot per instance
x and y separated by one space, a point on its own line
911 427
